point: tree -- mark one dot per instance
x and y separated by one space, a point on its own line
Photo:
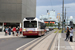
47 24
51 24
58 25
55 25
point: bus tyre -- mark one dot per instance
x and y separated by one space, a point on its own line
43 35
27 36
39 36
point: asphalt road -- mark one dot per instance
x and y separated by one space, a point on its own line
14 43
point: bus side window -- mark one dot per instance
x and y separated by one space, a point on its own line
39 25
42 26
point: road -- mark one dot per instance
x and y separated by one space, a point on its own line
14 43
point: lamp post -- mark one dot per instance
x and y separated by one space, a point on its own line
66 18
62 16
71 21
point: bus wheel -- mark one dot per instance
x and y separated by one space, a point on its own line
43 35
39 36
27 36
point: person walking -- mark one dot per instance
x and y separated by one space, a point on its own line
14 30
6 31
17 29
67 34
9 30
71 34
20 30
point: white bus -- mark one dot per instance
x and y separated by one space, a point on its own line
33 27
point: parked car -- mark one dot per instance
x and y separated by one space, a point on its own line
51 29
47 30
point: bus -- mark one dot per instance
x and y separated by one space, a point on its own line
33 27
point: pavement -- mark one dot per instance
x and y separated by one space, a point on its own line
65 45
72 44
2 35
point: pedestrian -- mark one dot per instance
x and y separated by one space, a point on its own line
14 30
71 34
9 30
20 30
67 34
17 29
6 31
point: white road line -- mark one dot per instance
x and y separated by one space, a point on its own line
59 36
26 44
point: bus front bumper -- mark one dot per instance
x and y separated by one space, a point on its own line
31 33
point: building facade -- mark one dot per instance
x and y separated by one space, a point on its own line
50 18
12 12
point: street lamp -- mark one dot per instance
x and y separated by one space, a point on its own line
62 15
71 21
66 22
71 17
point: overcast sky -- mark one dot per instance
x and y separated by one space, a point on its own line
54 2
44 5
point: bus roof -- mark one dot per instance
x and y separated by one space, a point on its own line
33 19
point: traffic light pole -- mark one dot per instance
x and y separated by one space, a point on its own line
65 13
62 16
65 18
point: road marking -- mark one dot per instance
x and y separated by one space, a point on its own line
59 36
26 44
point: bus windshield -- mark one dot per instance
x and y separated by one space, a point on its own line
30 24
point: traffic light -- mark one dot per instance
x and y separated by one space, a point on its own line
64 21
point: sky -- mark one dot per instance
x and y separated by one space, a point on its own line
43 5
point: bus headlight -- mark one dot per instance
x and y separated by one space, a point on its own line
24 29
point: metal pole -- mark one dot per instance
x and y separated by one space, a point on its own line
65 17
20 25
65 13
67 21
3 27
62 15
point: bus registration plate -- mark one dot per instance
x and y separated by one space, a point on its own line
30 32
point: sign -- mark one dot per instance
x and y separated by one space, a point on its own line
46 22
4 23
49 22
52 22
